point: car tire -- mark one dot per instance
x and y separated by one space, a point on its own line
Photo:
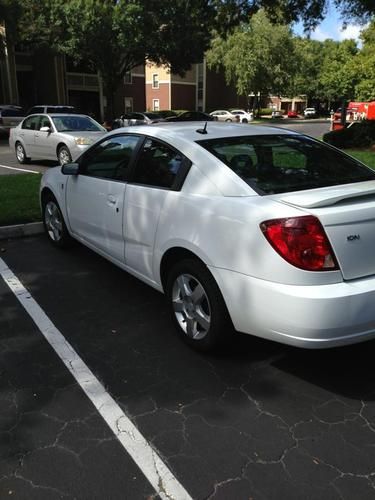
245 120
228 120
21 154
54 223
63 155
197 307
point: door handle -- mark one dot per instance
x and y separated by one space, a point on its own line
111 199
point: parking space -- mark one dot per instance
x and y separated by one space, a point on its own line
9 164
261 420
53 442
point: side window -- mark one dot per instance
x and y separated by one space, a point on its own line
31 123
45 122
157 165
110 160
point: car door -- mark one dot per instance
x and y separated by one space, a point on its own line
159 170
95 197
45 142
27 133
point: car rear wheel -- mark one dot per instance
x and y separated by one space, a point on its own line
64 155
197 307
54 224
244 120
21 154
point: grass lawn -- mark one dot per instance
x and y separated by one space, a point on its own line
367 157
19 198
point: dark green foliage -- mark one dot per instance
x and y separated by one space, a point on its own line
361 134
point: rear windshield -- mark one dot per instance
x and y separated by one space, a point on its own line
12 112
283 163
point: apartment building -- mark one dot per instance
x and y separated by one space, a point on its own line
199 89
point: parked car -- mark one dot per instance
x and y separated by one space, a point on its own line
223 115
53 136
189 116
145 118
10 116
292 113
309 113
244 116
276 114
51 108
259 228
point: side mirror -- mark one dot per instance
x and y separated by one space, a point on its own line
45 129
70 169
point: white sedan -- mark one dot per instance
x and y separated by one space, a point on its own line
54 136
261 229
243 116
222 115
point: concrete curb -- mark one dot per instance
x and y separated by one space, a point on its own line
21 230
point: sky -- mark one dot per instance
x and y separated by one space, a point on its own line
331 27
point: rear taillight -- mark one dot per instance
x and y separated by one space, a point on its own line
302 242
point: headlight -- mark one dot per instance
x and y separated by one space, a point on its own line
83 141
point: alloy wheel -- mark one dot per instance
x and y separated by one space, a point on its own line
53 221
191 306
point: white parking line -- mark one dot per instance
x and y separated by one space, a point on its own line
21 169
146 458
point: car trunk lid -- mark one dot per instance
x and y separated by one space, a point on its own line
347 213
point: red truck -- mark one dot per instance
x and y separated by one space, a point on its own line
354 112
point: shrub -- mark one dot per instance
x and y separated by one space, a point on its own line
359 134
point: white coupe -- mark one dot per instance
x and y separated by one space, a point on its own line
261 229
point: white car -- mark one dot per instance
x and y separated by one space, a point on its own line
222 115
54 136
309 113
259 228
244 116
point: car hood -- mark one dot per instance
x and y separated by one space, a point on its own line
347 213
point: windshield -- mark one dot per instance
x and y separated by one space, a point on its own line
283 163
72 123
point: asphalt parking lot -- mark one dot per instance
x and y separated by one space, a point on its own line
260 420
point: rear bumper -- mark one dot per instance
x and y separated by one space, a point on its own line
304 316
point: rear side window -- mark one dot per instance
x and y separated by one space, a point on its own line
35 109
284 163
158 165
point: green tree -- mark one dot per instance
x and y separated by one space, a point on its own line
309 62
114 36
338 75
364 65
258 57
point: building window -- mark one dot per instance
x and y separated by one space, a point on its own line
128 104
155 105
128 78
155 81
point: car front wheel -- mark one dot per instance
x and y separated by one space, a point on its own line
64 155
21 154
198 310
228 120
54 224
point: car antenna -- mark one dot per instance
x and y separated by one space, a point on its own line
202 130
